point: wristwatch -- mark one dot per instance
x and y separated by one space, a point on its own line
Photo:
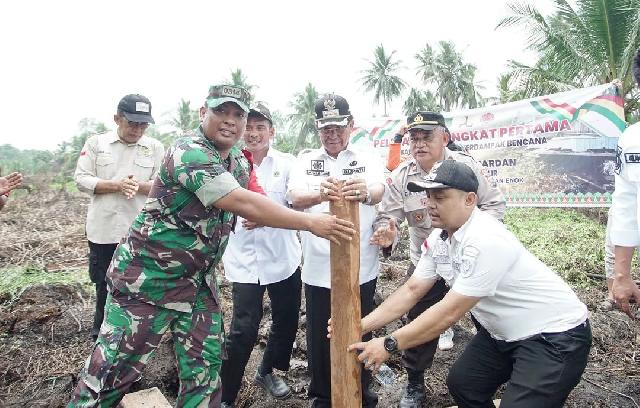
390 344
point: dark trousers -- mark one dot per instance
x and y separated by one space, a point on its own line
245 322
99 259
419 358
541 371
318 308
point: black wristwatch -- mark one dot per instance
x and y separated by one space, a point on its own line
390 344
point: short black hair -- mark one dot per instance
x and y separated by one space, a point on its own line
636 67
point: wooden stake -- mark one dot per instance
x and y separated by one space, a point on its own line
346 390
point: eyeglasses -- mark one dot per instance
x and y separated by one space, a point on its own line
338 130
421 139
142 125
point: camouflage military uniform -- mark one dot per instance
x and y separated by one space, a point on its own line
161 277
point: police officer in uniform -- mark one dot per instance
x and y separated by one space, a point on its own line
428 136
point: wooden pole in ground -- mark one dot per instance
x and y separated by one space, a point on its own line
346 390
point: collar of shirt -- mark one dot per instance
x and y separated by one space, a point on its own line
350 148
113 137
459 234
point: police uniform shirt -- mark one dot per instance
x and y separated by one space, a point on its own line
107 157
265 255
308 171
519 295
402 204
625 230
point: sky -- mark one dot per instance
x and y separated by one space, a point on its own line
68 60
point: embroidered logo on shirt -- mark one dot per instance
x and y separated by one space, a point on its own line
418 216
317 168
468 263
276 173
424 201
441 252
353 163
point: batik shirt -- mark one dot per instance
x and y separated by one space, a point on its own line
176 241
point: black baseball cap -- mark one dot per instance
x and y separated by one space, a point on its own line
332 109
260 110
136 108
447 174
425 120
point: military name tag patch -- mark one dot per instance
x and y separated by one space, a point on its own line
632 157
142 107
232 92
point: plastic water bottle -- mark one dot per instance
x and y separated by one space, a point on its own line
385 376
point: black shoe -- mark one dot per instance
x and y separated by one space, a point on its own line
227 405
414 396
273 384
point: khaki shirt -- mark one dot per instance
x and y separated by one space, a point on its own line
106 157
400 203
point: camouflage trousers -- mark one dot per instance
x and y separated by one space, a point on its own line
130 334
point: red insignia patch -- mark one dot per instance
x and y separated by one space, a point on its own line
83 153
389 181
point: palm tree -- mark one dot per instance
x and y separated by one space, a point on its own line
238 78
303 118
186 118
380 77
418 100
452 79
590 44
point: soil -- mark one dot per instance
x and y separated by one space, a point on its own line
44 332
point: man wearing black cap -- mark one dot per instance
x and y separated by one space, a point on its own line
428 136
260 259
312 185
533 331
117 169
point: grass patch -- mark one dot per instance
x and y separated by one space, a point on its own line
15 280
567 240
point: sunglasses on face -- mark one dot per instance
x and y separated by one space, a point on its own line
142 125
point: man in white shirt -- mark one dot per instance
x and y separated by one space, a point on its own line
312 185
533 331
258 259
625 213
117 169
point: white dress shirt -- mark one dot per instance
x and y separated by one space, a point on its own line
265 255
107 157
307 173
519 295
625 211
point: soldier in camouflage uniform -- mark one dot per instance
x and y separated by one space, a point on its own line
428 144
162 274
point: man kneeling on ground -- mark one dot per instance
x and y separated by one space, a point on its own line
533 331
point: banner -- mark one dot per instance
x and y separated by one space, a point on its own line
551 151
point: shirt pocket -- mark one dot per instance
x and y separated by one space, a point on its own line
143 168
105 166
416 211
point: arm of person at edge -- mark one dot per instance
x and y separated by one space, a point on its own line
624 287
624 235
263 211
301 200
428 326
7 184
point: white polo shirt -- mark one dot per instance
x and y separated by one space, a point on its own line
520 295
308 171
265 255
625 211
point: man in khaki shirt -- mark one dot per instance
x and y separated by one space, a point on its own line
117 168
428 141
